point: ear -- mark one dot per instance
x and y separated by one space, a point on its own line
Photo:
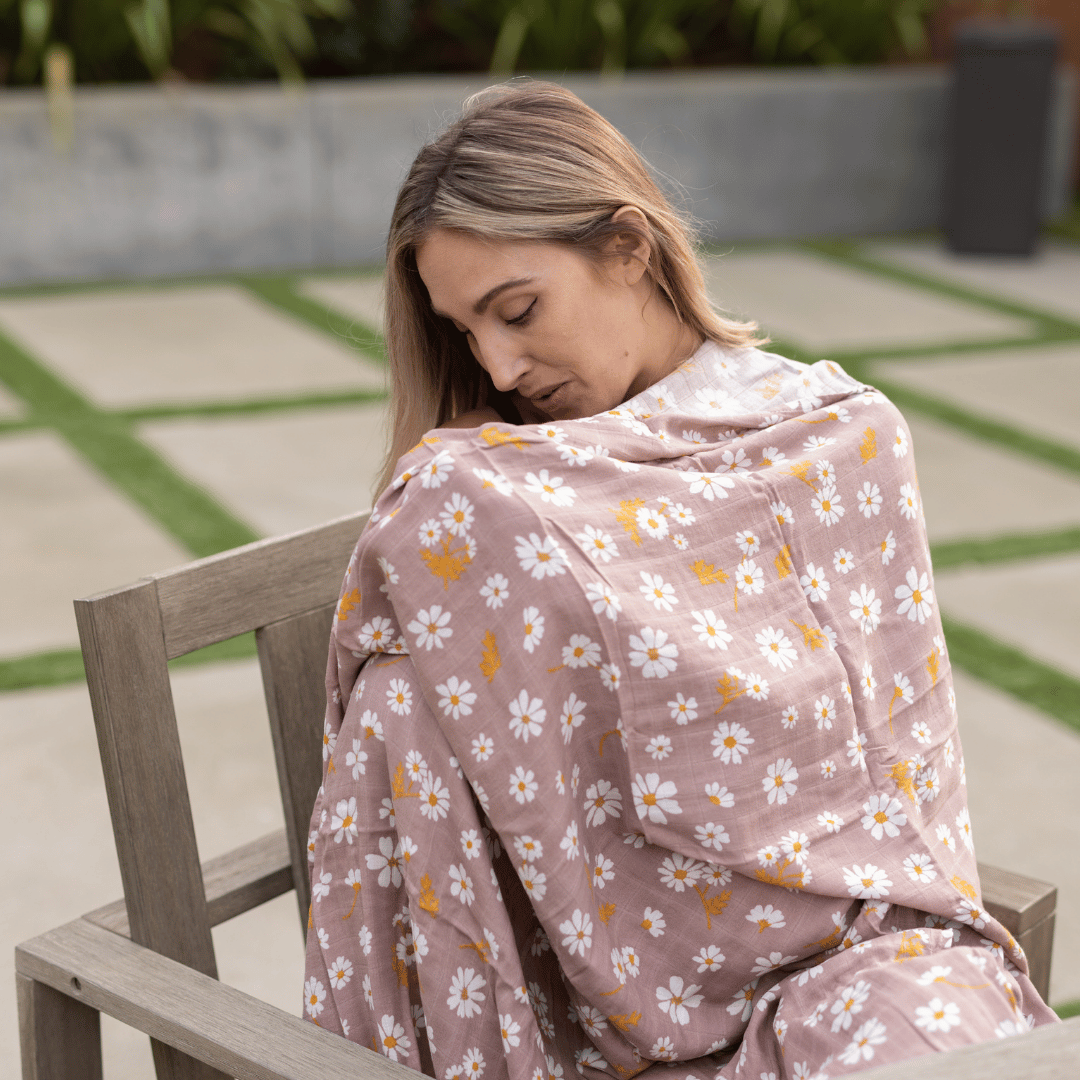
629 253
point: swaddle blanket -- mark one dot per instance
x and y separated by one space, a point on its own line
641 748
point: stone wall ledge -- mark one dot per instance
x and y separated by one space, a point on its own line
193 179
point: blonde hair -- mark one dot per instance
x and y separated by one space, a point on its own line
525 161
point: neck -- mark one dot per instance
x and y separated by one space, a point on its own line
669 343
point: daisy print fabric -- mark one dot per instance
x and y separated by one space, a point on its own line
641 748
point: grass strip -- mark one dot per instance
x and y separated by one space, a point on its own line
279 291
42 669
1067 1009
250 406
63 666
1006 667
1011 547
995 432
237 648
849 253
179 506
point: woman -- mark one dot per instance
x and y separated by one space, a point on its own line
641 744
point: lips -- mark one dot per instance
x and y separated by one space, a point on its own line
548 396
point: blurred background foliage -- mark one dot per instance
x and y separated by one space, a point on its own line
232 40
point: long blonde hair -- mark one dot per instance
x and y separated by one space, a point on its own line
525 161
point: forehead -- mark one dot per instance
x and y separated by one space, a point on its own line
461 268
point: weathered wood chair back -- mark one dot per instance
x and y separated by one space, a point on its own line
285 589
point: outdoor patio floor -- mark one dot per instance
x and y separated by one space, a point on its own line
146 424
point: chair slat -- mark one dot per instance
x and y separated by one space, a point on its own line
292 654
1017 902
235 882
128 677
60 1038
1049 1052
234 592
224 1027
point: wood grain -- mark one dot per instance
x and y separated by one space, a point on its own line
1050 1052
60 1038
1017 902
128 677
211 1022
236 591
293 658
235 882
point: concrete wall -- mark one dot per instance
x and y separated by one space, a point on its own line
164 181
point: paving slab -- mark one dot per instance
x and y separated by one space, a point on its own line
1036 388
360 297
1032 605
66 533
1025 803
822 305
196 343
1048 281
971 488
50 749
281 471
11 407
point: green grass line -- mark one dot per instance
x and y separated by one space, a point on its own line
237 648
1011 547
995 432
859 359
849 253
1028 680
180 507
279 292
1067 1009
249 406
64 666
41 669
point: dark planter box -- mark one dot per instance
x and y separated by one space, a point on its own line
1002 96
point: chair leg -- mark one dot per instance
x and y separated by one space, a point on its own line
60 1038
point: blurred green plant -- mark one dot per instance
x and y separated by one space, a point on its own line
123 40
832 31
560 35
109 34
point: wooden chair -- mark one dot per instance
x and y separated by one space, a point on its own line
148 959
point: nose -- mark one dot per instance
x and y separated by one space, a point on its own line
502 359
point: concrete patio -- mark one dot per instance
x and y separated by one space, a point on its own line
144 425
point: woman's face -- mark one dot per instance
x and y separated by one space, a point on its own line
569 338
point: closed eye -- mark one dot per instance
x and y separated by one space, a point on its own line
523 318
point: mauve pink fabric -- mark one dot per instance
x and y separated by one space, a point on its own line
641 748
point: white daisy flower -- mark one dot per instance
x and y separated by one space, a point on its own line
603 599
653 653
652 522
657 591
711 629
533 625
908 501
776 647
494 480
826 505
597 544
683 709
496 591
916 598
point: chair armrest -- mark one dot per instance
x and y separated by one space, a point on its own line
230 1030
1049 1052
1026 908
235 882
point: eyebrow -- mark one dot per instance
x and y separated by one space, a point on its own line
481 305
